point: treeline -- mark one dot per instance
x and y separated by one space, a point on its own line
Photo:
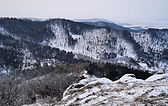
35 31
115 71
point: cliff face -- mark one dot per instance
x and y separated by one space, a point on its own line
37 43
147 49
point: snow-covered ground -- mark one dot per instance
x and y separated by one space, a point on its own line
127 90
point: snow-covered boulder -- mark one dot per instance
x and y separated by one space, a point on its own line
127 90
157 77
129 78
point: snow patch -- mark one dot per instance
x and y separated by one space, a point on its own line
157 77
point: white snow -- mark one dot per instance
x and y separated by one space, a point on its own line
144 65
104 80
98 91
157 77
94 43
127 78
126 91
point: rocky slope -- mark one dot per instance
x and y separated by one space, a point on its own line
126 91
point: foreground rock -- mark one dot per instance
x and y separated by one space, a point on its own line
126 91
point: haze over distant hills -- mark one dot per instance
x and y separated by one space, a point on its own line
133 24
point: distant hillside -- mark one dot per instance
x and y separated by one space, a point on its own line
27 44
104 22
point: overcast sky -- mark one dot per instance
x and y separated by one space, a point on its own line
114 10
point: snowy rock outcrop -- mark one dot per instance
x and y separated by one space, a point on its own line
126 91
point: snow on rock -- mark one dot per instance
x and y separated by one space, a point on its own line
157 77
85 83
129 78
126 91
104 80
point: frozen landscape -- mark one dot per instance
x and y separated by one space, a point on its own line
65 62
35 43
127 91
83 53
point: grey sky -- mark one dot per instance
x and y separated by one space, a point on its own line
114 10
